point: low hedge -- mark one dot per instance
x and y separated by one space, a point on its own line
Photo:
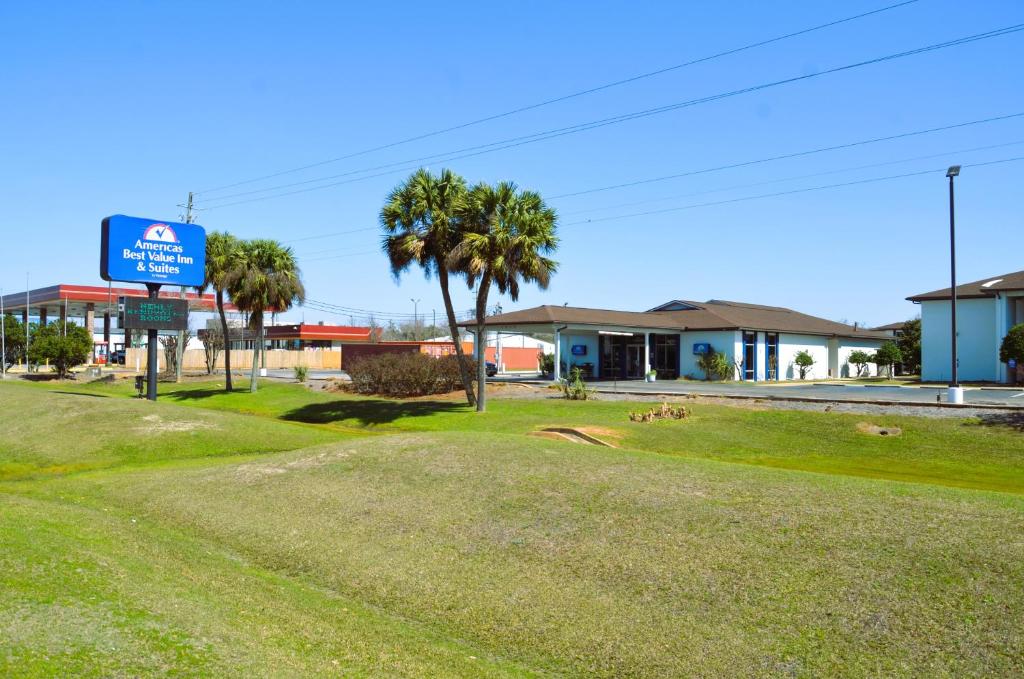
407 374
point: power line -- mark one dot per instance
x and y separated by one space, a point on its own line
582 127
787 156
565 97
342 250
349 254
785 193
335 233
746 186
794 178
779 180
353 311
731 166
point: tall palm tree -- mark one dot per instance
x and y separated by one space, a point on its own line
507 234
265 277
221 254
421 227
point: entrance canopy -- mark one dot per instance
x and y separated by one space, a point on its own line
79 300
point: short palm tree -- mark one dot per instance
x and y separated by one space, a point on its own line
265 277
421 227
507 235
221 254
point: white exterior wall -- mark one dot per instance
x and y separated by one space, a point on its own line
760 358
847 346
790 344
977 340
722 341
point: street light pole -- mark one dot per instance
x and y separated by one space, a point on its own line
415 318
956 393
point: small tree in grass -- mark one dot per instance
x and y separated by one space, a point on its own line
860 359
1012 348
909 343
63 349
213 344
14 340
804 362
888 355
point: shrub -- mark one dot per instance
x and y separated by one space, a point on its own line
574 388
804 361
546 363
407 374
715 365
301 373
1012 347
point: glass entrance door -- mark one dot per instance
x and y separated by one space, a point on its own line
635 361
750 356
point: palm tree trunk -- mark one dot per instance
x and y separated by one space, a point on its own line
453 328
227 339
481 341
257 346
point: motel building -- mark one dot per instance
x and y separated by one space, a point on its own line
760 341
985 312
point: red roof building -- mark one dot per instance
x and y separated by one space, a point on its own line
318 336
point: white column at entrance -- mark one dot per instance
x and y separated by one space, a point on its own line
558 355
647 353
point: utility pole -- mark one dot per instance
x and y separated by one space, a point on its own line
27 300
3 337
179 349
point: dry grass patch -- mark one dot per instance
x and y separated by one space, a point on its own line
621 564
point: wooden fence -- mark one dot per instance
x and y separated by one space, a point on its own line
241 359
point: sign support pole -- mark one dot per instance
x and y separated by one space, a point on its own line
151 349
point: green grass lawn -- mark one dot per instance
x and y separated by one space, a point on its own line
303 533
952 452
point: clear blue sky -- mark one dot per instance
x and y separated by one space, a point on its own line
125 107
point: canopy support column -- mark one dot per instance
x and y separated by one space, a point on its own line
557 372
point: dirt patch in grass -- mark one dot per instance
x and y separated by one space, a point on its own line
247 473
875 430
156 424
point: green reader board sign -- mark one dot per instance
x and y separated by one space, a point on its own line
143 313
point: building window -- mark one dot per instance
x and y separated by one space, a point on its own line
749 356
771 355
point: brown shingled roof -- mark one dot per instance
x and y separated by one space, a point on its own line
710 315
986 287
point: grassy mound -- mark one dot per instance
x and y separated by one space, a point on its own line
302 533
47 433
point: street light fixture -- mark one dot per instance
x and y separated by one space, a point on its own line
956 392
